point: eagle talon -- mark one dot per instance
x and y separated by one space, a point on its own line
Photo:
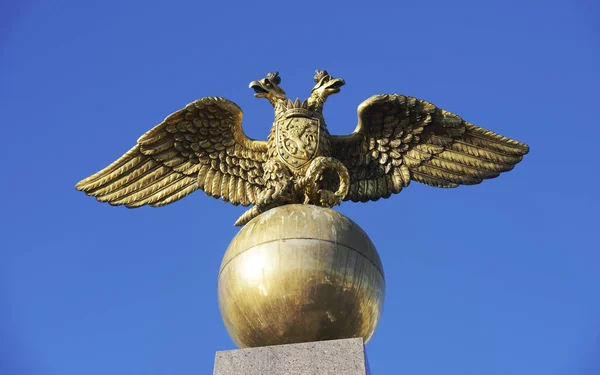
328 198
266 198
281 193
286 190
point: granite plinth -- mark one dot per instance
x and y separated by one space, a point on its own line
334 357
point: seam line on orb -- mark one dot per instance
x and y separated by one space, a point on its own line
301 238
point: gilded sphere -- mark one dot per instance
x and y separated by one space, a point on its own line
300 273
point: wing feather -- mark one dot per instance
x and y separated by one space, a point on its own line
410 139
127 186
176 195
482 164
148 168
202 175
445 174
165 187
225 187
432 181
197 147
489 140
241 193
216 184
484 154
207 183
462 169
141 194
397 182
233 197
125 163
174 187
250 192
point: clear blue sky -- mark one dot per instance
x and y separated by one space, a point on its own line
497 279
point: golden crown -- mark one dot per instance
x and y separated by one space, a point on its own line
298 109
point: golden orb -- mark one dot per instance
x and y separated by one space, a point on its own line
300 273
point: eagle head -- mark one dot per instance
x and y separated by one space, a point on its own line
268 88
326 84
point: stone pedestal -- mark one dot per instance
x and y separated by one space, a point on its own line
334 357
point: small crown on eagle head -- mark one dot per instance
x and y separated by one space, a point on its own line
274 77
319 74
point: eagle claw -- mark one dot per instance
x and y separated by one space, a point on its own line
281 193
328 198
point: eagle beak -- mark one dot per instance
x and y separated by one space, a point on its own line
335 85
329 85
259 89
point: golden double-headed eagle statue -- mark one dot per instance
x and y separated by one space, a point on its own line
398 139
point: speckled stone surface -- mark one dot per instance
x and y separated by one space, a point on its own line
335 357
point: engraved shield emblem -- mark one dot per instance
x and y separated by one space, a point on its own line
298 140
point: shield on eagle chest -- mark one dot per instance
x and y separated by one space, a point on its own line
298 140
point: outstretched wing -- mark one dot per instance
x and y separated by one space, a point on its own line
201 146
400 138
